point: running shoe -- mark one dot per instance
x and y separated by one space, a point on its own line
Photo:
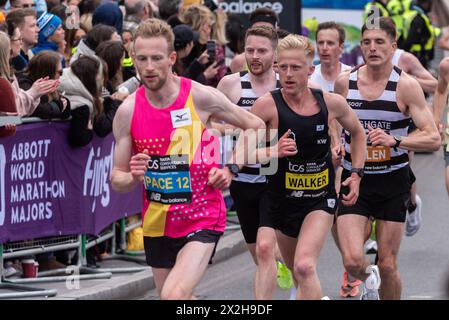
284 276
349 289
414 218
293 292
370 288
370 246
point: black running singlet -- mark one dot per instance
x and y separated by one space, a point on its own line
310 173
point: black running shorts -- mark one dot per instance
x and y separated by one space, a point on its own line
161 252
288 214
382 197
251 205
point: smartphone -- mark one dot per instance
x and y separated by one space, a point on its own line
210 46
222 61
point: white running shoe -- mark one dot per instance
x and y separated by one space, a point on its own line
414 219
370 246
292 293
370 288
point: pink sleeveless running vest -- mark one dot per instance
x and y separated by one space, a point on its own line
176 197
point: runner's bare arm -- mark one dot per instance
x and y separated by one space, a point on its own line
340 111
341 85
230 86
128 170
211 103
346 117
410 64
265 108
440 96
409 93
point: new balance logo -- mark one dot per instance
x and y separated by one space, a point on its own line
297 194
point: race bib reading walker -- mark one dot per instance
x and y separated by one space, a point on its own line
377 158
167 179
307 179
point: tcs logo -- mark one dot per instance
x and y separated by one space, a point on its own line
153 164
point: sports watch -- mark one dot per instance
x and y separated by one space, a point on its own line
359 171
233 168
398 140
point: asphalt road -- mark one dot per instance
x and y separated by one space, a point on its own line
423 259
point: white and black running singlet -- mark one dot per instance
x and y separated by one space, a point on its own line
382 113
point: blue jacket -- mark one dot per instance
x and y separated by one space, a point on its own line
50 46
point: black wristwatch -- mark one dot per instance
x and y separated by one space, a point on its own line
359 171
233 168
398 140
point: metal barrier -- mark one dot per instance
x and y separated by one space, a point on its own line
82 243
112 235
38 246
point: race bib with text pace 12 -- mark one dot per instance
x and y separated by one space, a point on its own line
167 179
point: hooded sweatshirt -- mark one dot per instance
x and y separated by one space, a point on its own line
82 48
75 91
109 14
82 111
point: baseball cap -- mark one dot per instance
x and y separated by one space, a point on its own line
183 35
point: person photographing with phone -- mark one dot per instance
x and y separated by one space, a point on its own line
208 49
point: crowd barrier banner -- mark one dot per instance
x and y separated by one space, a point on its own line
48 188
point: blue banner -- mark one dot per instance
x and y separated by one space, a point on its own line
335 4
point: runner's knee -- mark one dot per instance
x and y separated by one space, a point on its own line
387 265
304 269
176 293
265 250
353 263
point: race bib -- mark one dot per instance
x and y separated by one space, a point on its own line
378 154
307 179
167 179
377 158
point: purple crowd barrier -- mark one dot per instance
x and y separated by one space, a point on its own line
48 188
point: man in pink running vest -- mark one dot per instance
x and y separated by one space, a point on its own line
164 144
